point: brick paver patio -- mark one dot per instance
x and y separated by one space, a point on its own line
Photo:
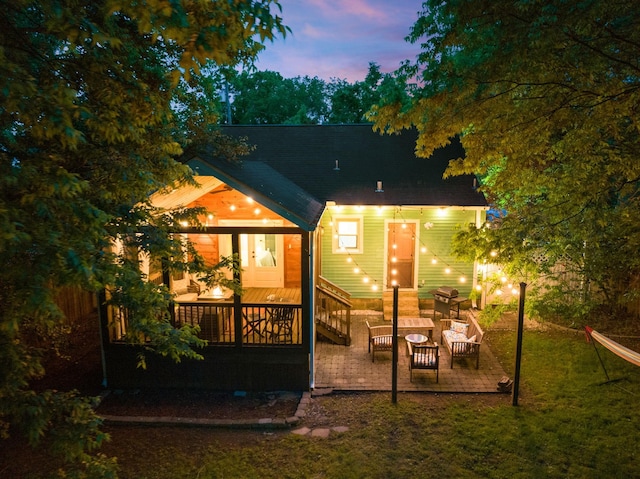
349 368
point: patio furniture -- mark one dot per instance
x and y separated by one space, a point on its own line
380 339
463 340
280 326
423 356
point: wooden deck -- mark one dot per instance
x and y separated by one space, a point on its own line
270 316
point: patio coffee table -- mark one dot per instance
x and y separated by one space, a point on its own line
416 338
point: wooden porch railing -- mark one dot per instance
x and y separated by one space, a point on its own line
262 324
333 312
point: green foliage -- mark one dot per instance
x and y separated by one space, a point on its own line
96 100
265 97
544 97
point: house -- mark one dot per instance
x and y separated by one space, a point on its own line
325 218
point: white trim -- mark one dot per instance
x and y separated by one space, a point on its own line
335 249
416 252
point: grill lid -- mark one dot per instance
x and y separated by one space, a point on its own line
447 291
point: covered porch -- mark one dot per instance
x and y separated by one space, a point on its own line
349 368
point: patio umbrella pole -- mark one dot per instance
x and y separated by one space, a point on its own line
516 378
394 347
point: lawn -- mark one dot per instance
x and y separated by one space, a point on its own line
569 423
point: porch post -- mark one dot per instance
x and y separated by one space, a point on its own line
237 302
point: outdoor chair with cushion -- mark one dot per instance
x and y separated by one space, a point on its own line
380 339
423 356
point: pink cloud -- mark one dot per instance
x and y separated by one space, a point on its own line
338 38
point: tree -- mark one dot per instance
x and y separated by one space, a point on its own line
91 96
266 98
351 101
544 96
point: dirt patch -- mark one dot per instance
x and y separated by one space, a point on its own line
199 404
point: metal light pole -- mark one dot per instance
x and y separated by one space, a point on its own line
516 379
394 348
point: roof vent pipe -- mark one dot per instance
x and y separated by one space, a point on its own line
379 187
337 167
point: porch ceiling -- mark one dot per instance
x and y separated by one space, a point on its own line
186 194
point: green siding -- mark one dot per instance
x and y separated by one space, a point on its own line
436 239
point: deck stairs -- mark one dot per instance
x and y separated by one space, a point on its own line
333 313
408 305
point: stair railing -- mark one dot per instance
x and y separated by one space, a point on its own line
333 308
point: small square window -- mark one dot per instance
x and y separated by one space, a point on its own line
347 235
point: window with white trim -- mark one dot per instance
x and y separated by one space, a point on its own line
347 234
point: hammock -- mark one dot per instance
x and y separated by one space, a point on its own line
625 353
618 349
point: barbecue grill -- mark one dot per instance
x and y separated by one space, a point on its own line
444 298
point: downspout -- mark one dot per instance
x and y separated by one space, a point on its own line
312 308
474 303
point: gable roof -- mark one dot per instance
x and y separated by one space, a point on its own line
307 155
265 185
295 170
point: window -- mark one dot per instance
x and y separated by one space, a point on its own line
347 235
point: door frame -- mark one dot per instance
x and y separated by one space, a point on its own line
416 242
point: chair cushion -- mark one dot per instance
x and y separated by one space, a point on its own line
452 336
459 327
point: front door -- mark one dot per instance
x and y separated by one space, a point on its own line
262 259
261 256
401 244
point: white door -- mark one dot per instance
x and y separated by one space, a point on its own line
261 257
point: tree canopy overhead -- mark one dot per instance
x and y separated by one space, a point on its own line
92 102
544 96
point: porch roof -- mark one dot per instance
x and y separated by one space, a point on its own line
265 185
343 163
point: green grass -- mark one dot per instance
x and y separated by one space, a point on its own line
569 424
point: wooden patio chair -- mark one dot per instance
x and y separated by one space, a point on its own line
281 325
380 339
423 356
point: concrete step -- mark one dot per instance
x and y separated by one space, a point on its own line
408 305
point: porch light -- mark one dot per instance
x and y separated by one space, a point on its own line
365 279
374 287
394 272
423 249
249 200
463 279
349 259
356 270
232 207
447 270
393 282
256 211
394 259
434 261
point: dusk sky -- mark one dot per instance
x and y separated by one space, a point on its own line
339 38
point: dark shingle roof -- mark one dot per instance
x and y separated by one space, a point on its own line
293 170
307 155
